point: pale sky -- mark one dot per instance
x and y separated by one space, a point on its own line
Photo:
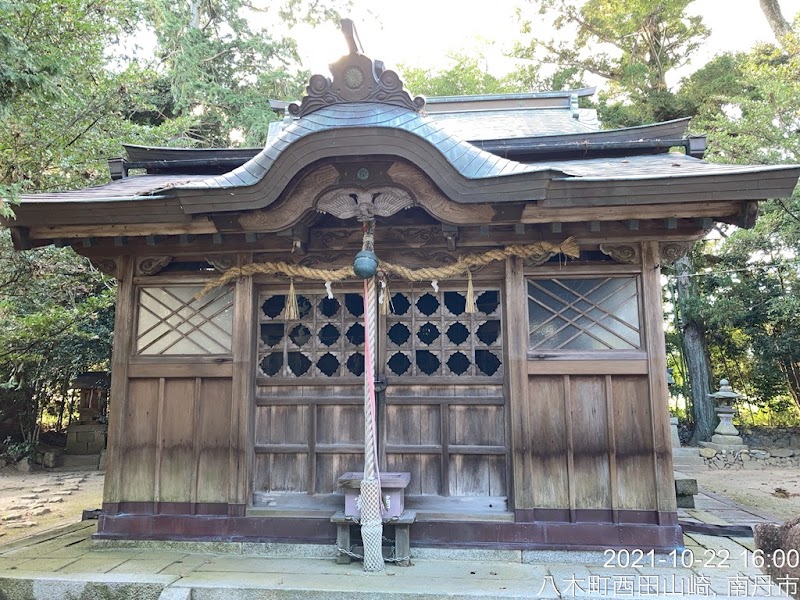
422 32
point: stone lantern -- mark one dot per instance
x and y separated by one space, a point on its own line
726 436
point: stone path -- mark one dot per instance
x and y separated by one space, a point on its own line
45 499
66 563
719 510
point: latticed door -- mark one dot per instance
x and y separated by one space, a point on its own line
442 416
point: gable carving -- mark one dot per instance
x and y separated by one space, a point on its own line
356 78
434 202
289 210
364 204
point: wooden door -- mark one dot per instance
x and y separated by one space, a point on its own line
588 397
442 416
309 423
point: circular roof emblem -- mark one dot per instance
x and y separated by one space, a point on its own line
353 78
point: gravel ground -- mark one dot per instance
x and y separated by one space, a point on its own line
772 491
44 499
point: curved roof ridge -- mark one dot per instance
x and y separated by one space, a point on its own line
467 159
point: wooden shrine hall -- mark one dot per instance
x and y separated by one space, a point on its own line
537 420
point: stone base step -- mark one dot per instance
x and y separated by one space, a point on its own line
485 581
688 456
80 461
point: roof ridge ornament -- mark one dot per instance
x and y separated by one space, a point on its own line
356 78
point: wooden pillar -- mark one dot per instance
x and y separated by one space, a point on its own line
517 385
657 376
124 319
244 357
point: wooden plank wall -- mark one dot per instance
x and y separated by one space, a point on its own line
451 438
591 442
306 436
176 441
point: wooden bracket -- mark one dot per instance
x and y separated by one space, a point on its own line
151 265
108 266
221 262
623 253
450 233
299 234
669 252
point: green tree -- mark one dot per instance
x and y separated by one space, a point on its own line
633 45
66 106
58 135
56 320
222 70
751 296
465 75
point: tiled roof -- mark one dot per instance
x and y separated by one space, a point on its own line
482 125
469 161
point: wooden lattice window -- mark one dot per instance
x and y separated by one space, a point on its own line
327 340
431 334
170 321
598 313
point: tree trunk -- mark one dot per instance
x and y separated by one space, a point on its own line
195 12
697 359
772 11
791 372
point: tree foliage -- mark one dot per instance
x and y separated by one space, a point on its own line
220 69
752 292
70 94
56 320
633 45
739 307
465 75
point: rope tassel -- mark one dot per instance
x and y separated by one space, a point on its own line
470 308
292 310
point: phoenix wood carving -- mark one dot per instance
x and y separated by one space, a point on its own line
364 205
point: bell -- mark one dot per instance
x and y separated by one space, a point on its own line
365 264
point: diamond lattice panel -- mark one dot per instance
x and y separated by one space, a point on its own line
584 314
171 321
